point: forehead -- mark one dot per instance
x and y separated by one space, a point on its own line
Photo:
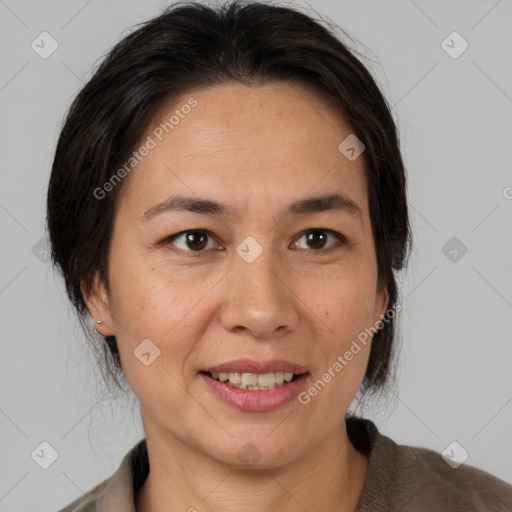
277 141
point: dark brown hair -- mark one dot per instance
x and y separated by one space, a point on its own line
189 46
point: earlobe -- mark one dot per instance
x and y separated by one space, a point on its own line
97 302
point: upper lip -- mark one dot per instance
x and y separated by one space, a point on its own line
252 366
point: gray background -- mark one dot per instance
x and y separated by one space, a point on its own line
455 117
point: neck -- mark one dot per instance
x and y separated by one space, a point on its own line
330 478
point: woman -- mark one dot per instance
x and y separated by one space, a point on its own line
228 203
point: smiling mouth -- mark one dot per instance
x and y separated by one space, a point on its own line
254 381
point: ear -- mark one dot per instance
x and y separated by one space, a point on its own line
381 303
98 304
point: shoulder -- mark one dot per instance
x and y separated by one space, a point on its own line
465 488
116 493
416 478
88 502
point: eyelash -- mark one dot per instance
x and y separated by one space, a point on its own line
341 240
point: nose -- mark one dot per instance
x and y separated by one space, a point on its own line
259 298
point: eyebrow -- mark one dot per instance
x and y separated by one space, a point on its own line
314 204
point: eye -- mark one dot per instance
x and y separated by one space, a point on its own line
193 240
196 240
317 239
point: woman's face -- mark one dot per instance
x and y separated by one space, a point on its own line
262 280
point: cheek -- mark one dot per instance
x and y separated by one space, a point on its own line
145 298
343 314
344 303
149 305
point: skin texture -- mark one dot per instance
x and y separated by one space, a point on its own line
257 149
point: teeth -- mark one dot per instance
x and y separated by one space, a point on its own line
235 378
266 379
254 381
249 379
279 377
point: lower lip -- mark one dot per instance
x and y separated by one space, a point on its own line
252 400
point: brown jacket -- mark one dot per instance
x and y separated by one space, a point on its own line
400 478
